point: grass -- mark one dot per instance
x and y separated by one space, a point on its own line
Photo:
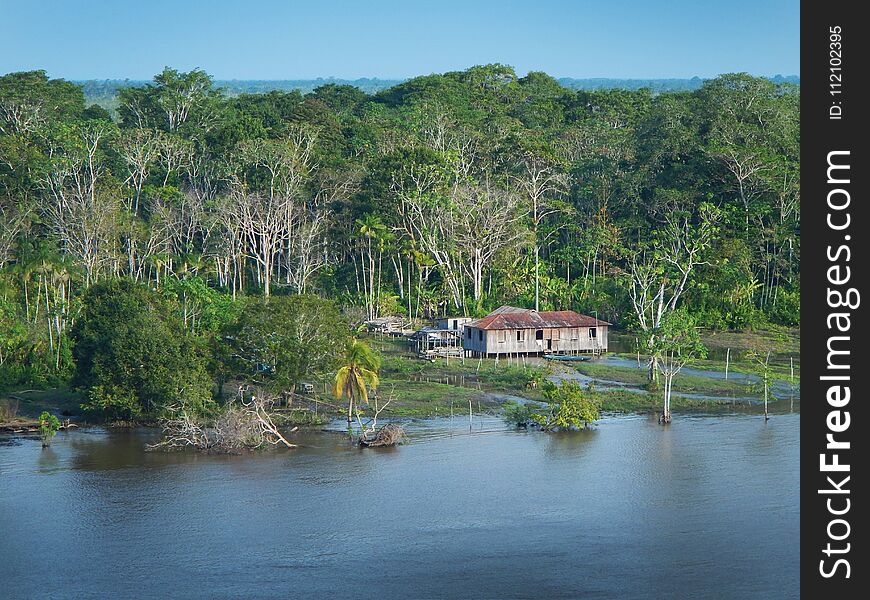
780 370
428 399
620 401
694 384
779 340
429 388
425 389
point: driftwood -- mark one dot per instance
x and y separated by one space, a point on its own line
245 422
388 435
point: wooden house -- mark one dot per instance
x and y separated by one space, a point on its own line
512 331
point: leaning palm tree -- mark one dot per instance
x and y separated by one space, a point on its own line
359 373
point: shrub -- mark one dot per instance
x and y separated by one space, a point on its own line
48 427
569 407
518 415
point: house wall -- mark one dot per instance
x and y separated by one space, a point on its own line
456 323
504 341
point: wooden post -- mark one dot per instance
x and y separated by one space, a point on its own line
727 361
448 348
766 384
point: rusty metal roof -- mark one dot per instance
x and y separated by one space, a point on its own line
509 317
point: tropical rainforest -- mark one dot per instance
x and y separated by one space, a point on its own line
153 236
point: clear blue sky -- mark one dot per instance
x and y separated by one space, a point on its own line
286 39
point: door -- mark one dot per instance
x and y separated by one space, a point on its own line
549 343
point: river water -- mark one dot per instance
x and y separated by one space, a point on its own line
704 508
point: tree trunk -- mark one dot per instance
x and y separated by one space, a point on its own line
537 280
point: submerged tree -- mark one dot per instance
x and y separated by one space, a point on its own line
357 376
569 406
659 278
675 343
48 427
762 363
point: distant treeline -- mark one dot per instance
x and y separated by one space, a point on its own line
654 85
104 91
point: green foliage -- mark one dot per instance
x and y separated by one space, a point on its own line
356 377
381 204
569 407
48 427
203 309
284 340
133 355
677 338
518 415
787 309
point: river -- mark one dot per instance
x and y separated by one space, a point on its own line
704 508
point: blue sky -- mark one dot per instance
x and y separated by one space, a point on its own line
275 39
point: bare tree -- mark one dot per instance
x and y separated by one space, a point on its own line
541 182
490 220
83 218
659 277
12 222
140 149
428 222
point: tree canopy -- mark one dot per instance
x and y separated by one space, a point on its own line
446 193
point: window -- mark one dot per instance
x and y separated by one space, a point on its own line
521 335
502 336
480 334
575 333
539 334
455 324
468 332
593 333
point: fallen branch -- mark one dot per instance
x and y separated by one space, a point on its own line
246 422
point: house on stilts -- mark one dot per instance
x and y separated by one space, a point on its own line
515 331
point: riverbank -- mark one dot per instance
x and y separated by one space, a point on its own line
618 382
422 389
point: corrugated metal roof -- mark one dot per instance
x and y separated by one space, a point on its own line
509 317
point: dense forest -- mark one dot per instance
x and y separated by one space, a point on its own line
444 194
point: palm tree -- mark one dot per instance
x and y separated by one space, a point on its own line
371 228
359 373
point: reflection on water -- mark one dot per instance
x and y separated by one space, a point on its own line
707 507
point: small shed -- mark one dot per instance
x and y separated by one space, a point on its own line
432 342
513 331
387 325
